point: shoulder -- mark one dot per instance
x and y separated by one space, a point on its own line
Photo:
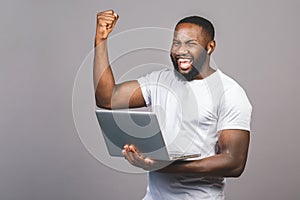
163 73
232 89
233 93
229 83
235 108
159 75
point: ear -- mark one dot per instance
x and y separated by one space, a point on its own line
211 47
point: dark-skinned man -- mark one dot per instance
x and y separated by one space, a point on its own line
205 111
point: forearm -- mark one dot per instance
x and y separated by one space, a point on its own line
101 61
230 162
104 82
220 165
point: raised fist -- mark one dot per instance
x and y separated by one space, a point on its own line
105 23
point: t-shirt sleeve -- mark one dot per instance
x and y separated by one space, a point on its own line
235 110
147 84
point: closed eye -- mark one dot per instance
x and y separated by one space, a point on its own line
176 43
191 43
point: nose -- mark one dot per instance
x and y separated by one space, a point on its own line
182 50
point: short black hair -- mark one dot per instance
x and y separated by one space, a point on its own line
206 25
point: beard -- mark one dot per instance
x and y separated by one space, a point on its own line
196 67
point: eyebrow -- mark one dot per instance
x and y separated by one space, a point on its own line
174 40
191 41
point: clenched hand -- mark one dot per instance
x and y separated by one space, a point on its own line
105 23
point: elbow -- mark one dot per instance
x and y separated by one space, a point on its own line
104 99
103 104
236 171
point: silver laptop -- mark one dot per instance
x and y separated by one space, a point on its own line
140 128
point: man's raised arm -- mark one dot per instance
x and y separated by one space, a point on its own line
107 93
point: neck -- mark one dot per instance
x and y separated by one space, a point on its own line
206 71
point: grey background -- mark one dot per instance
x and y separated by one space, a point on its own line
43 44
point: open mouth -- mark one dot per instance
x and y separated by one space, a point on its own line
184 63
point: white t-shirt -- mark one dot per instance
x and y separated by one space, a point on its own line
191 113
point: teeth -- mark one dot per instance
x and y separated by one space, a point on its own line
184 63
184 60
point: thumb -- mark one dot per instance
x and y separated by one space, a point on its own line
149 161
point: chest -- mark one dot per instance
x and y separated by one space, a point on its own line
190 103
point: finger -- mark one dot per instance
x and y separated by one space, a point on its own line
115 21
138 159
116 15
111 14
131 148
105 21
136 153
108 11
108 18
126 147
124 153
128 157
131 159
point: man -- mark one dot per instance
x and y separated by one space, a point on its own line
205 111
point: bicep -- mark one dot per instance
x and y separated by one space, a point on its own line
128 95
234 143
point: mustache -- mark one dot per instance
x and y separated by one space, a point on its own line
189 56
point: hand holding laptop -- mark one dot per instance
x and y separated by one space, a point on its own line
133 156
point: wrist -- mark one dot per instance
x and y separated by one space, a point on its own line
98 41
